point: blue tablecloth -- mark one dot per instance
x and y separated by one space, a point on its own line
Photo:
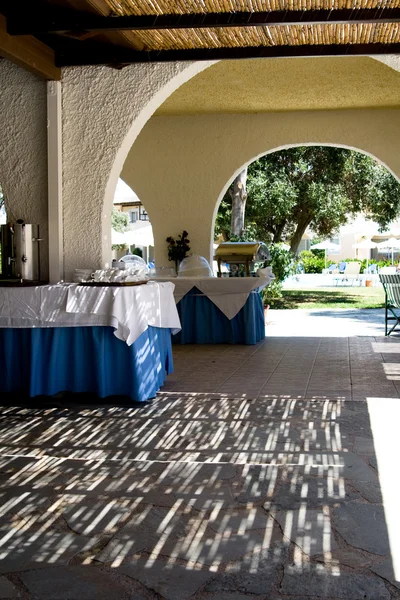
38 361
203 322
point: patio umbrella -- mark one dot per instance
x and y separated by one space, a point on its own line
365 244
327 246
390 245
117 237
141 235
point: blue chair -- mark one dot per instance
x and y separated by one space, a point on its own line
342 267
332 268
372 269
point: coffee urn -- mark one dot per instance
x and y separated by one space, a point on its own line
20 251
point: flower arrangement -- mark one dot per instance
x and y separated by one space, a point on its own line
178 249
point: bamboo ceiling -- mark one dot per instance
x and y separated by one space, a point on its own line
236 37
120 32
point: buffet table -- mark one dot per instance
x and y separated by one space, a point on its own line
220 310
103 340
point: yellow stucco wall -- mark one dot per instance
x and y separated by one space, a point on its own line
181 166
266 85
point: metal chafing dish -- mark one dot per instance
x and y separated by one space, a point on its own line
237 253
20 252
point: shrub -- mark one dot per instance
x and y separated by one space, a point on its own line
272 292
311 263
282 263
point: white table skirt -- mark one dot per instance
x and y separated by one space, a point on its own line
130 310
229 294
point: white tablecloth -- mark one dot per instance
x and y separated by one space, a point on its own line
130 310
229 294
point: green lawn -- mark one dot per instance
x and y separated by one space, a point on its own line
343 297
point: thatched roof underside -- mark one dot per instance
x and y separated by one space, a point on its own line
235 37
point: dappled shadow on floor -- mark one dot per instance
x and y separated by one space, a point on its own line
198 496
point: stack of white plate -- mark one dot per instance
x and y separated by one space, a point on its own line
82 275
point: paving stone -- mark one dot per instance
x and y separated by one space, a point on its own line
185 473
74 583
349 558
253 574
327 586
171 581
202 498
364 446
369 490
228 596
251 583
355 468
310 529
373 462
94 517
149 529
258 483
385 570
8 589
214 549
239 520
311 491
29 550
362 526
356 423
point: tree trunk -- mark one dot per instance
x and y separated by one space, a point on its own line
239 197
302 225
278 233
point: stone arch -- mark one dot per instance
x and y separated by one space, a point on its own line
139 122
285 147
192 177
103 112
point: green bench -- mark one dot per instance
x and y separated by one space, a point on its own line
391 285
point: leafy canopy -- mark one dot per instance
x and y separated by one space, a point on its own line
119 220
312 186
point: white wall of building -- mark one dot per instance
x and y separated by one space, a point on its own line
180 167
104 110
23 149
179 176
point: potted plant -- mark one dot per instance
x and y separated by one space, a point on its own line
178 249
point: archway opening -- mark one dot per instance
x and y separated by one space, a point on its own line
326 213
3 221
131 230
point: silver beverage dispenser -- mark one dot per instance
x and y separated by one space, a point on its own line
20 251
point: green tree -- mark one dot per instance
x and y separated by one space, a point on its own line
119 220
312 186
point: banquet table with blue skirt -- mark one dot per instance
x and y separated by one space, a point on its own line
42 361
104 341
221 310
204 323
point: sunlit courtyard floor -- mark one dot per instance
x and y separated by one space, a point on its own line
264 472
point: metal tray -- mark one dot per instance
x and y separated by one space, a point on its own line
112 283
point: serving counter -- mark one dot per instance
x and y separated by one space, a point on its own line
103 340
220 310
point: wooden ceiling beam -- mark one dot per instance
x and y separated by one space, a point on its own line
29 53
41 24
117 57
101 8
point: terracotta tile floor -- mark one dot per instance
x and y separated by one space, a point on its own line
264 472
350 368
